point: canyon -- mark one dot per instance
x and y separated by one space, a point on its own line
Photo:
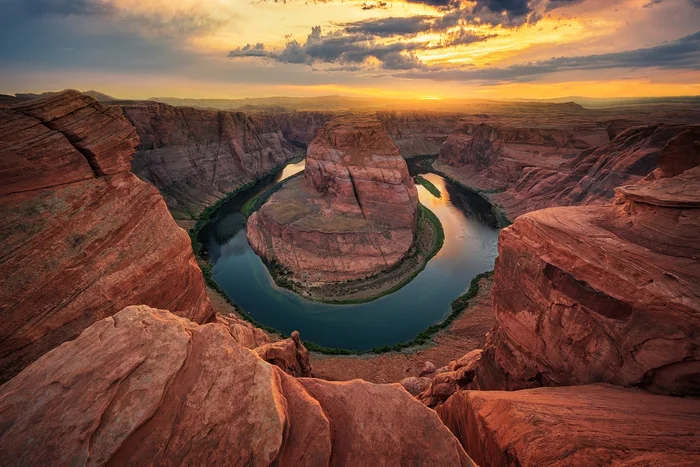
352 215
591 355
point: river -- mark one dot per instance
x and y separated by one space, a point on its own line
470 248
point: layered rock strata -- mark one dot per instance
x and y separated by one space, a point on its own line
353 213
146 387
492 153
82 236
196 156
591 178
582 425
603 293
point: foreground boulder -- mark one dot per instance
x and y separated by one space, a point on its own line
609 293
146 387
353 213
82 236
581 425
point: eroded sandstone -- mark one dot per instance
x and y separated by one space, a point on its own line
197 156
353 213
581 425
146 387
85 237
604 293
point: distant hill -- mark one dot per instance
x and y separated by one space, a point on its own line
594 102
98 96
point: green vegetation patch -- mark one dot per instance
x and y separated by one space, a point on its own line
428 185
257 201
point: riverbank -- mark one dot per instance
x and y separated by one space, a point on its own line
453 176
465 333
427 242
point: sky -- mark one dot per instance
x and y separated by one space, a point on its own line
424 49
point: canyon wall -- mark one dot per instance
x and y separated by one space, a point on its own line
492 152
353 213
591 178
196 156
418 133
82 236
599 293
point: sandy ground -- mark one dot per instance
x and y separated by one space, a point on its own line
466 333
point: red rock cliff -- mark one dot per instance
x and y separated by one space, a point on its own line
604 293
196 156
591 178
82 236
145 387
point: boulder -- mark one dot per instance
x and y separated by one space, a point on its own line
581 425
145 387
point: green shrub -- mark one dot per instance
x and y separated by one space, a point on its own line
428 185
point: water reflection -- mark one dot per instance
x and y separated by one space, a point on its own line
469 249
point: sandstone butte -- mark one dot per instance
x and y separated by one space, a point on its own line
353 213
145 387
82 236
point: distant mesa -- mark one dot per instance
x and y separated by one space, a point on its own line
352 214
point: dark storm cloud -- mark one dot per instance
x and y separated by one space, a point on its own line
434 3
342 49
387 27
683 53
694 3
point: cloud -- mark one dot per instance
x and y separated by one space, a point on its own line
372 6
387 27
153 18
683 53
651 3
65 7
357 43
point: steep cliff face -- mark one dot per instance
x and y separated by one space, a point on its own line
609 293
83 237
582 425
352 215
591 178
146 387
418 133
196 156
415 133
492 153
